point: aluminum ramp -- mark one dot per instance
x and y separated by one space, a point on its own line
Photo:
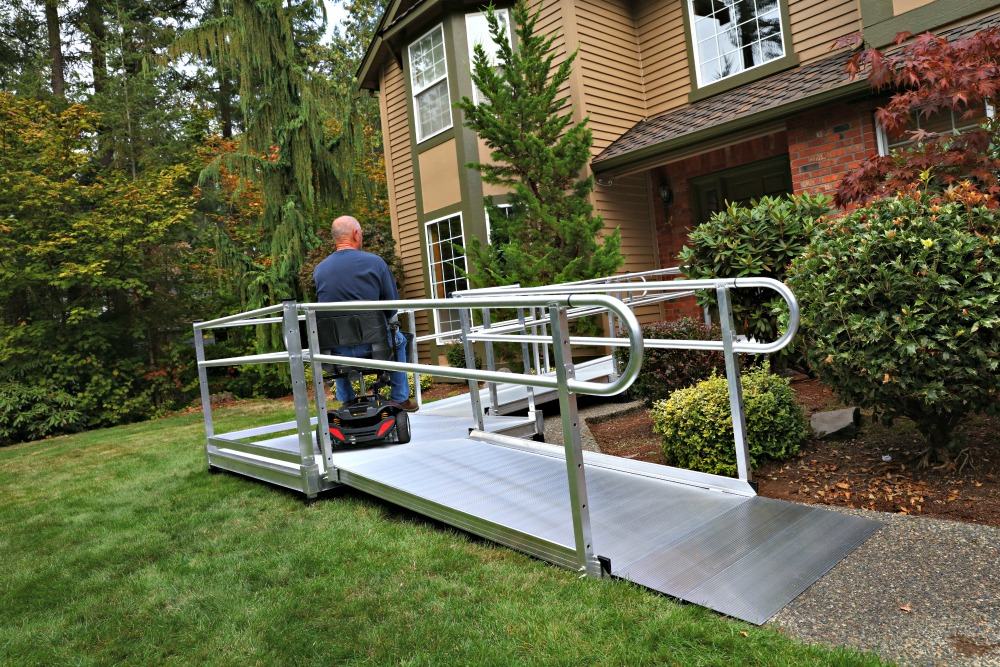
669 530
514 397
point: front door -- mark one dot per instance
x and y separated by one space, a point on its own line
740 185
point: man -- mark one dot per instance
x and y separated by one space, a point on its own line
350 274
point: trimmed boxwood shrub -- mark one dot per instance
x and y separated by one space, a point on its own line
663 371
761 239
697 426
901 307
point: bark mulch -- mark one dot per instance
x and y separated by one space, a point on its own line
875 470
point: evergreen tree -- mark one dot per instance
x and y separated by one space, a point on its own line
283 147
550 234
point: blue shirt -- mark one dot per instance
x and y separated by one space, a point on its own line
355 275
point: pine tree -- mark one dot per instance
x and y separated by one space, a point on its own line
550 234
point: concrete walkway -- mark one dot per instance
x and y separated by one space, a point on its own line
919 592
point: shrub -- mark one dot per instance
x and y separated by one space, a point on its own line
757 240
901 307
663 371
33 411
456 357
697 427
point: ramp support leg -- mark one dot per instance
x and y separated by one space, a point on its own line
735 385
571 442
206 394
300 399
465 318
319 388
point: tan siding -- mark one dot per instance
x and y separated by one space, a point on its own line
817 24
661 38
610 69
402 191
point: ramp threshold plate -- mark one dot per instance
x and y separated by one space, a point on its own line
746 557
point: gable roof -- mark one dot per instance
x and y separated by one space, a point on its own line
755 103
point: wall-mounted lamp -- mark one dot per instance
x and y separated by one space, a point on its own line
666 194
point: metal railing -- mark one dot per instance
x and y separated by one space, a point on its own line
564 380
551 308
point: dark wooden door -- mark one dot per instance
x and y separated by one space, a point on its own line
740 185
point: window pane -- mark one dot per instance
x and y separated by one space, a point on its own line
433 109
478 31
427 60
731 36
448 265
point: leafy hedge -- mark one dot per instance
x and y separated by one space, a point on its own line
757 240
901 307
697 428
663 371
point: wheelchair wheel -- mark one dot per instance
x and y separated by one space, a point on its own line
402 428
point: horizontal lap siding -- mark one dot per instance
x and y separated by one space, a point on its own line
614 97
662 44
610 69
817 24
402 190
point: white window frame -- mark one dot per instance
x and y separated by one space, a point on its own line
489 229
441 340
414 92
882 137
693 37
506 14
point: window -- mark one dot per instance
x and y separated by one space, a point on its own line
429 84
478 32
447 266
732 36
944 121
506 210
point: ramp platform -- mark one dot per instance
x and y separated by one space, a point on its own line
666 529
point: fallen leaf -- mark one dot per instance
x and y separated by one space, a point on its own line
744 633
906 607
843 485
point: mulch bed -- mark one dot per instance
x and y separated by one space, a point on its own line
875 470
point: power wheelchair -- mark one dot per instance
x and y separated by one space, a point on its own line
369 418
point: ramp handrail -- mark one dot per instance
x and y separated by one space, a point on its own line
632 330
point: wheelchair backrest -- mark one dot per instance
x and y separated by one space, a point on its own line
354 328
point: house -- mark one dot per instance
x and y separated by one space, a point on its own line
692 103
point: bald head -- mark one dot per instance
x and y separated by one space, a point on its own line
346 232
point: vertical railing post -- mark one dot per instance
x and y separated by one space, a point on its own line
490 365
300 398
319 387
414 358
571 442
470 362
527 362
206 394
735 385
545 347
615 371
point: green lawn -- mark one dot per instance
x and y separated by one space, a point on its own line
118 547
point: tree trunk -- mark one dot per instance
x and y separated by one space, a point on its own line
97 33
55 48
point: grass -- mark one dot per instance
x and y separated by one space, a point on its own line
118 547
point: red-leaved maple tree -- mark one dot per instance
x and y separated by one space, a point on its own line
929 74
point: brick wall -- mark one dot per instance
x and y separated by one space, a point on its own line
824 144
672 226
